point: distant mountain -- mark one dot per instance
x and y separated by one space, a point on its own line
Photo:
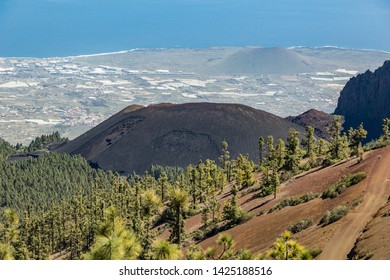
255 60
175 135
317 119
366 98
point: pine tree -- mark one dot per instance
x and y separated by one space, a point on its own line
192 173
179 204
137 207
9 234
226 240
261 146
322 147
163 183
287 249
271 150
225 157
232 212
336 149
355 137
293 152
385 131
113 241
309 142
163 250
244 172
225 154
344 150
151 204
280 153
6 252
275 181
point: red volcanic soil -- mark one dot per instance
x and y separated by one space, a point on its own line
336 240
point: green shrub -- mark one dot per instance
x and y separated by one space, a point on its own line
380 143
294 200
234 214
305 167
387 214
316 162
356 202
250 190
373 144
334 215
315 252
300 225
264 191
329 162
286 176
368 256
349 180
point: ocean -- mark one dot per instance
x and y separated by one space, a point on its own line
46 28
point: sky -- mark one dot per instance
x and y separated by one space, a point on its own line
43 28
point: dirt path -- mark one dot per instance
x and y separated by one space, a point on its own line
351 226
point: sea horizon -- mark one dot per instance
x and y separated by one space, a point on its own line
189 48
60 28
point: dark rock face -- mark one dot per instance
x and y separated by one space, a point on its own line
319 120
175 135
366 98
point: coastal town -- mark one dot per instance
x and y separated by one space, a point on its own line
73 94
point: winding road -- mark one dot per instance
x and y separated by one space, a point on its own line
351 226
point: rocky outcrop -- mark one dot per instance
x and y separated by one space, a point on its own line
366 98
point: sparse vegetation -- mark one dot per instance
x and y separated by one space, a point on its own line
250 190
286 176
315 252
356 202
294 200
228 252
384 140
334 215
345 182
300 225
235 215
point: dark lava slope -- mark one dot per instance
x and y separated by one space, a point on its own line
175 135
319 120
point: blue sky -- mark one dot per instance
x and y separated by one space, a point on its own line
68 27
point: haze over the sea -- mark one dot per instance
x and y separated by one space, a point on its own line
43 28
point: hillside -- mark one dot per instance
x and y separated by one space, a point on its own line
65 205
336 240
265 61
175 135
319 120
366 98
374 243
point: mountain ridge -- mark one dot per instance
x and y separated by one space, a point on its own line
366 98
